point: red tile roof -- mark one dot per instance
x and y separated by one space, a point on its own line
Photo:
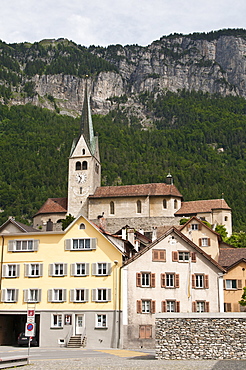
201 206
53 205
157 189
230 256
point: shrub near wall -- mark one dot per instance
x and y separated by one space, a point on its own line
201 336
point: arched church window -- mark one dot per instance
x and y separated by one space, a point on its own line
82 226
83 151
175 204
165 203
84 165
78 166
112 208
139 206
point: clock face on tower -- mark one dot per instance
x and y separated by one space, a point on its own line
81 177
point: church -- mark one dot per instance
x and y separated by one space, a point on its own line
143 207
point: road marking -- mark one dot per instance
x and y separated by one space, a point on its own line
123 353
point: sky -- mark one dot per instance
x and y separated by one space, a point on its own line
107 22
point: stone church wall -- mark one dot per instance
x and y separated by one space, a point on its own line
201 336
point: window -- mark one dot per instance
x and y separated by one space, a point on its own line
11 270
184 256
145 279
80 269
22 245
170 280
164 203
175 204
77 166
227 307
79 295
159 255
200 281
57 321
111 210
83 151
145 331
33 269
32 295
145 306
139 206
170 306
226 218
101 295
233 284
58 269
80 244
57 295
84 165
101 268
82 226
10 295
194 227
204 242
200 306
101 321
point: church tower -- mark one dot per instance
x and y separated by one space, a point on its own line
84 173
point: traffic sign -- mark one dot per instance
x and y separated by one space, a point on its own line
30 329
31 316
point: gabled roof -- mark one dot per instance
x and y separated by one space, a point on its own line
53 205
201 206
182 236
156 189
202 223
19 225
230 256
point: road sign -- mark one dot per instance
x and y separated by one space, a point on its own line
30 329
30 316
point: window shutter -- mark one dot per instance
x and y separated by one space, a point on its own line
206 306
68 244
94 268
50 295
176 280
72 269
152 276
148 331
3 295
155 255
193 281
64 295
39 295
209 242
177 306
206 283
11 245
163 256
86 295
228 307
163 280
239 284
17 270
175 256
87 267
138 279
142 332
109 270
193 257
94 294
199 227
26 269
163 306
65 269
16 295
193 306
93 243
224 284
109 295
35 245
152 306
200 242
5 269
72 295
51 269
25 294
139 306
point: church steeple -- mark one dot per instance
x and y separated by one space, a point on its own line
86 127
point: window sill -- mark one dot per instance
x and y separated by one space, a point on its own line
101 327
56 327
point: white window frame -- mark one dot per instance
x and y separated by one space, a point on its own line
55 293
11 270
229 284
33 267
170 306
28 295
204 242
199 280
58 269
78 268
101 321
80 244
10 295
170 280
101 295
182 256
101 268
146 279
194 227
23 245
146 306
57 320
74 292
200 306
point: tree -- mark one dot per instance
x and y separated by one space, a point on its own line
237 239
67 221
243 300
220 229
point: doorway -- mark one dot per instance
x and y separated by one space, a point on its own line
79 324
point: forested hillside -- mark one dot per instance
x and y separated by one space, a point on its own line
199 138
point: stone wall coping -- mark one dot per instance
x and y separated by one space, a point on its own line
207 315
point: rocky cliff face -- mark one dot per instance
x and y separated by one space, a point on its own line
172 63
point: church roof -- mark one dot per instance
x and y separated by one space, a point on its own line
53 205
230 256
157 189
201 206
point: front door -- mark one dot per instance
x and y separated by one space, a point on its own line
79 324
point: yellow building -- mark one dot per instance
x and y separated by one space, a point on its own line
71 278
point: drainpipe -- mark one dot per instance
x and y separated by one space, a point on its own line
221 291
1 264
119 320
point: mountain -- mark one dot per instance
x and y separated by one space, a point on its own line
52 73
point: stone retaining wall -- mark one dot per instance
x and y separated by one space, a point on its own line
201 336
